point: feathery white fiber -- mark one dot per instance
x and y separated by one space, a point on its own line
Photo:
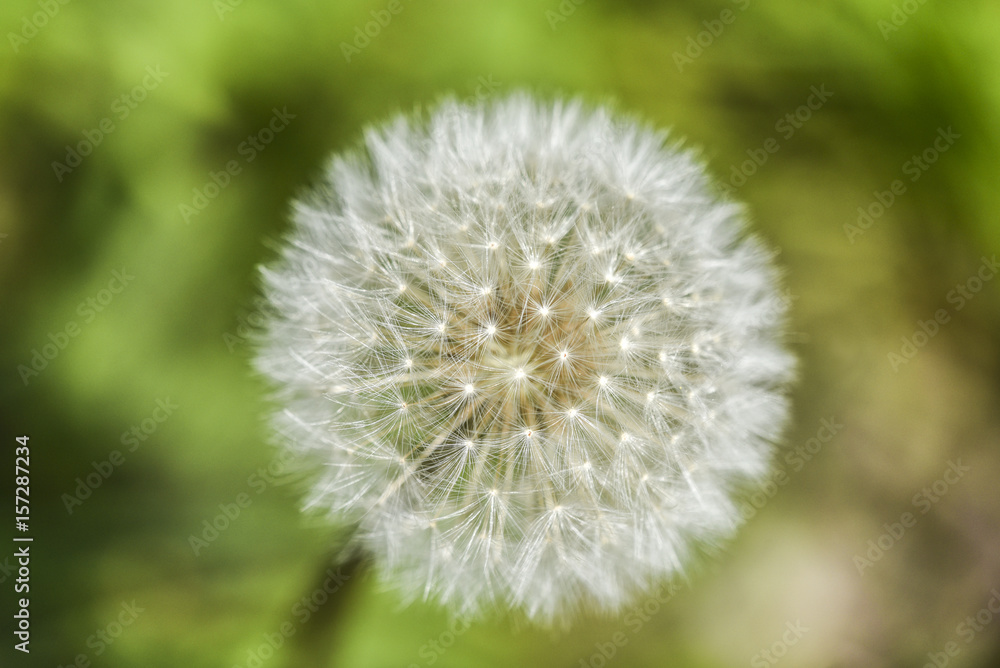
526 348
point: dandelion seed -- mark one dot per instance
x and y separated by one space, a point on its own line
593 358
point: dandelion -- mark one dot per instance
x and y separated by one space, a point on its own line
526 349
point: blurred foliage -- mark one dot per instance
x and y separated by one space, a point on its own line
899 72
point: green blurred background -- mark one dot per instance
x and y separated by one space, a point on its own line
181 86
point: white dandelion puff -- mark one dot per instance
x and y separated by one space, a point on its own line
528 352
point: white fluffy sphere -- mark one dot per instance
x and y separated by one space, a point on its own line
527 349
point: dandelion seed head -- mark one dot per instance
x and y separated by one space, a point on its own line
558 354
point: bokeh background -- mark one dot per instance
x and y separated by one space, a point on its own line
154 362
